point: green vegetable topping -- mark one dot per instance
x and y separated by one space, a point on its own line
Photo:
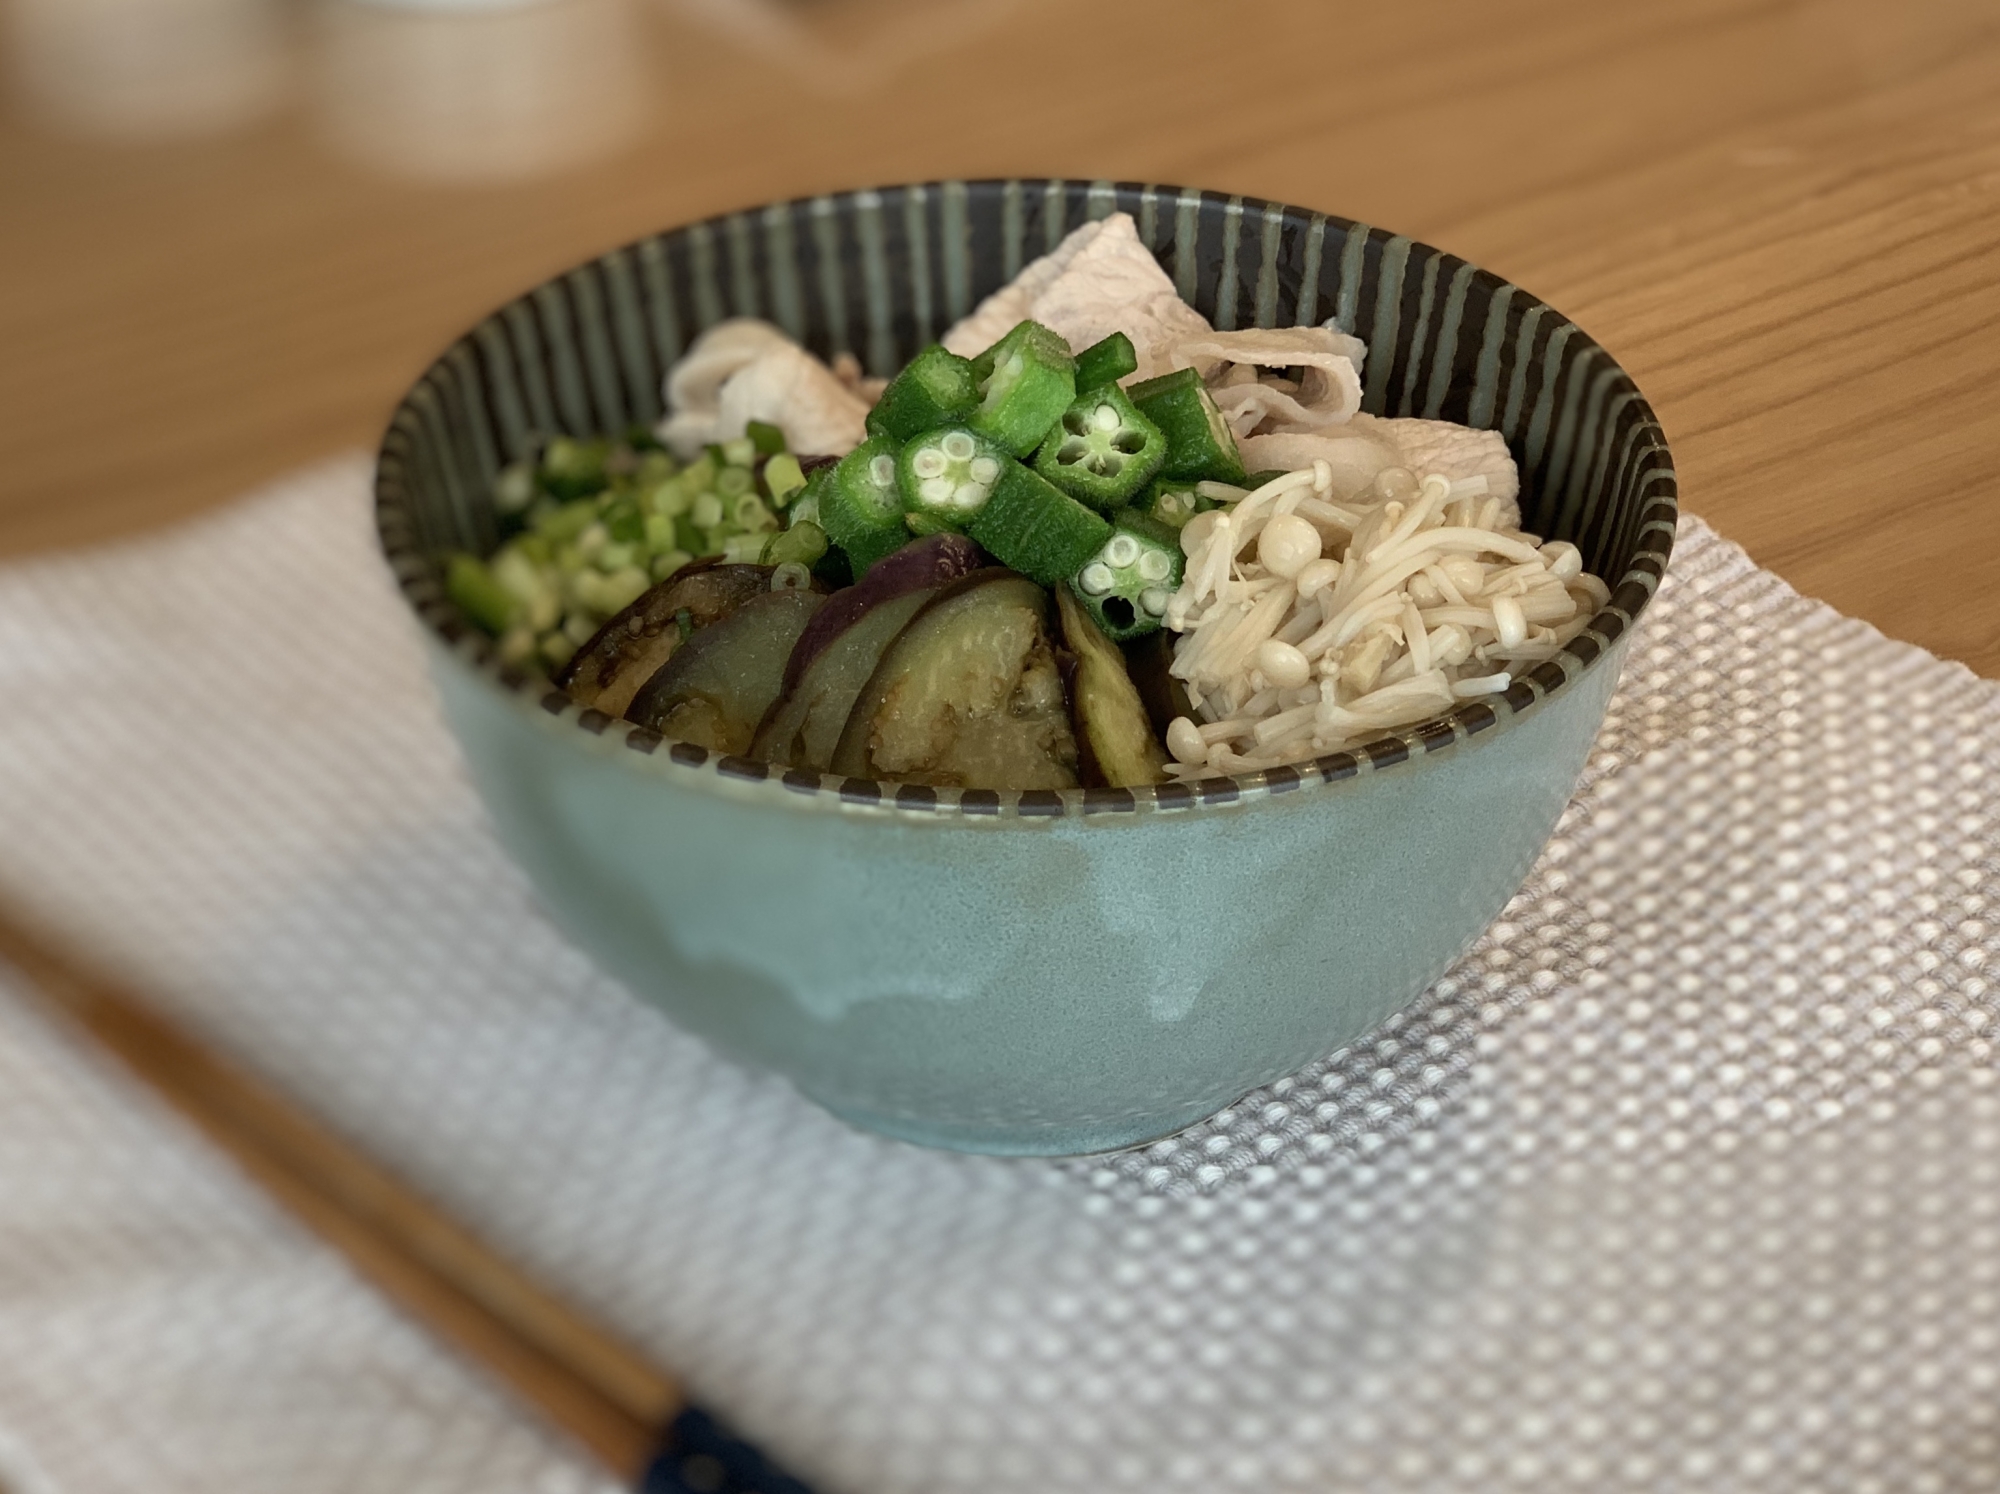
574 469
599 521
935 388
765 439
1126 585
860 505
802 544
783 478
475 590
1199 442
1032 526
946 477
1102 450
1026 380
1172 501
1105 362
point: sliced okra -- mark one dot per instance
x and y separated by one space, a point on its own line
935 388
860 505
1126 585
1030 525
946 477
1102 450
1172 501
1105 362
1025 380
1199 441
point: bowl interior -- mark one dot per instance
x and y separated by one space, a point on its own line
880 273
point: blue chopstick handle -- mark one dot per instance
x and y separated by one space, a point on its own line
698 1455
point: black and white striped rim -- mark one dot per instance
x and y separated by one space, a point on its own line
883 271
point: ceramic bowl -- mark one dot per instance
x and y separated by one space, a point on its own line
1040 972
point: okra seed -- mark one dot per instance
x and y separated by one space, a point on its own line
929 462
1096 578
969 495
1154 600
1105 417
1104 466
1073 423
1121 550
1129 442
984 469
936 489
1154 566
958 446
1071 452
882 471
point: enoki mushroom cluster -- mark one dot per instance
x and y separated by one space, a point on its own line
1312 620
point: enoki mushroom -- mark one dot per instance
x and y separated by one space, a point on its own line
1312 622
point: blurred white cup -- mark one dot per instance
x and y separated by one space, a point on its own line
146 68
478 90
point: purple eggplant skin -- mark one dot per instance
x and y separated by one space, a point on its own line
719 684
970 695
918 566
612 667
804 725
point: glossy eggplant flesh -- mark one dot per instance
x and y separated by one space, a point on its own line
633 646
919 566
1116 745
969 695
718 686
803 728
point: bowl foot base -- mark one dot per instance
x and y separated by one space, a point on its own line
1085 1139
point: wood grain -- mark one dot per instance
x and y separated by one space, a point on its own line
1783 218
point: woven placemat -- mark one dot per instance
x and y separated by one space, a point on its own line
1684 1178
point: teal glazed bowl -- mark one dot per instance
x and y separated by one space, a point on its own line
1048 972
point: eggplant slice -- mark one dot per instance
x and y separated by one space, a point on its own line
610 669
968 695
1115 740
721 682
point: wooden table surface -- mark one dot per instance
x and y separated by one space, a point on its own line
1783 218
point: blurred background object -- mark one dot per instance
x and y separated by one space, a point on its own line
833 48
478 91
233 302
141 69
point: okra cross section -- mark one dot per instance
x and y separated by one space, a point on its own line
1102 451
945 477
1126 585
1199 441
861 504
935 388
1026 380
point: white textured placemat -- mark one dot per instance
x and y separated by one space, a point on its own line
164 1329
1687 1178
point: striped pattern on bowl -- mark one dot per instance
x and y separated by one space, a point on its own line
881 272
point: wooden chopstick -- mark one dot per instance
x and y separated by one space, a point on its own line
581 1378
